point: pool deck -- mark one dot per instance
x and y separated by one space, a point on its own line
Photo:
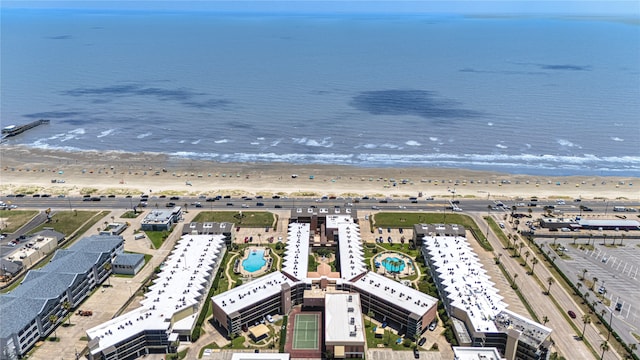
409 268
263 269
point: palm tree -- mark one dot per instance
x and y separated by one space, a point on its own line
586 319
53 320
622 238
579 285
545 320
534 261
575 238
530 211
605 347
550 281
515 276
590 237
515 245
520 245
595 280
509 236
584 272
554 240
526 256
66 305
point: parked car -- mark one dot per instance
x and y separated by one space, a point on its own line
416 354
433 325
571 314
422 341
618 306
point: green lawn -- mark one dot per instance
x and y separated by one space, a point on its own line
255 219
157 237
12 220
388 340
67 222
130 215
406 220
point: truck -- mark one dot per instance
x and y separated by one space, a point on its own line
619 208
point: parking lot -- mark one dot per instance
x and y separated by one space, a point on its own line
617 270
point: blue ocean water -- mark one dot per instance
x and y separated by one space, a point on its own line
519 95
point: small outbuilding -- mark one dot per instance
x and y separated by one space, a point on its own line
127 264
259 332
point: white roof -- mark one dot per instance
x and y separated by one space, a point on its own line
465 282
333 221
350 249
259 356
401 295
159 216
252 292
343 319
180 284
296 257
475 353
609 222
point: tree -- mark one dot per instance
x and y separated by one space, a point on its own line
622 238
584 272
595 280
545 320
550 281
586 319
579 285
526 256
534 261
520 245
509 236
497 258
66 305
515 286
53 320
605 347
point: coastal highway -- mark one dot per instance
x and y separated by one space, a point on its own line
395 204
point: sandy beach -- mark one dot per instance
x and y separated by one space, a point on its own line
29 171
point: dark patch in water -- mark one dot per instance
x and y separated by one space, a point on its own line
184 96
60 37
77 122
565 67
410 102
52 114
501 72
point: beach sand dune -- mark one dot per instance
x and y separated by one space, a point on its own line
28 170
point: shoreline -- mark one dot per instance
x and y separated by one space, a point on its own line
32 170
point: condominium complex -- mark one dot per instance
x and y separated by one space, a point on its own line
170 308
402 307
478 313
28 311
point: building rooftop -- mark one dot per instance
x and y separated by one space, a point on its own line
469 289
296 257
259 356
48 283
609 222
466 283
343 319
321 211
476 353
439 230
401 295
128 259
207 228
180 284
350 248
252 292
160 216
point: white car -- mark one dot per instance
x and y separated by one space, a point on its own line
269 318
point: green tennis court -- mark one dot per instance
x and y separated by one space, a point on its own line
305 332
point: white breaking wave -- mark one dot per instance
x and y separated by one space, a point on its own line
615 138
566 143
490 123
433 138
502 146
412 143
223 141
106 133
142 136
196 142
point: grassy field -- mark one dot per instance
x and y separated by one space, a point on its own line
67 222
255 219
406 220
14 219
157 237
